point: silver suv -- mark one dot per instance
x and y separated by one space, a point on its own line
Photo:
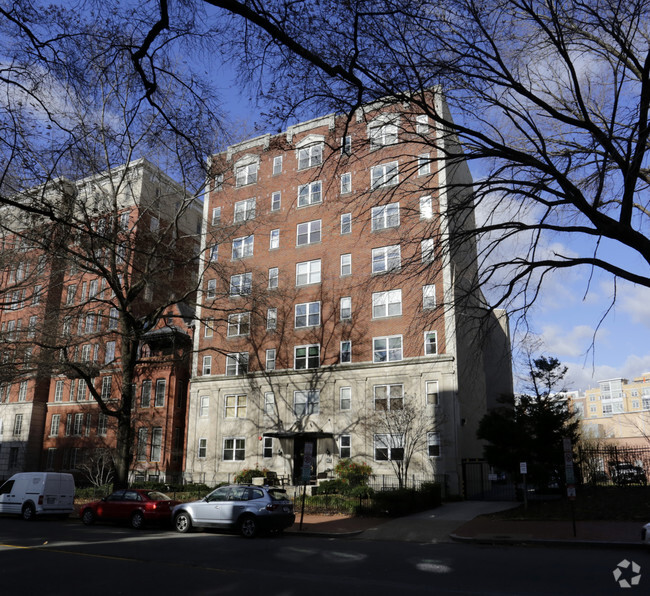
245 508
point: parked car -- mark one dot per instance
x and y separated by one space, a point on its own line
38 493
624 473
137 506
645 534
245 508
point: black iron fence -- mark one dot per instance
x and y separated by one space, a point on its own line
613 465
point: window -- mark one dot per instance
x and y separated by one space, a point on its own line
58 391
389 397
54 425
276 201
345 354
78 423
207 365
204 403
242 247
161 389
236 406
36 295
102 424
240 285
308 272
389 447
106 387
308 233
267 447
214 253
429 296
430 343
310 194
216 215
244 210
346 223
422 124
274 239
345 306
344 446
307 314
306 403
246 174
424 164
427 250
145 394
271 319
203 449
384 175
110 352
432 393
346 183
113 318
90 323
273 278
346 265
208 328
237 364
426 207
346 145
385 216
433 444
345 398
387 349
310 156
269 403
234 449
22 391
70 292
387 304
68 425
382 135
141 448
156 443
277 165
239 324
270 359
31 326
386 259
306 356
51 454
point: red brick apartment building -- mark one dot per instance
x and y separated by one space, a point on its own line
61 325
327 303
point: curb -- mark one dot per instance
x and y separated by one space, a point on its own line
316 534
494 540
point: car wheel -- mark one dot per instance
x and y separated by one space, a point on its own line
29 512
137 520
183 522
88 517
248 526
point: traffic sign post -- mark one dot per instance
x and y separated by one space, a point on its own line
523 470
570 479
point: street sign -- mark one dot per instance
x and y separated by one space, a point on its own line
523 467
571 491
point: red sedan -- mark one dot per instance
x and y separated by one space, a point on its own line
137 506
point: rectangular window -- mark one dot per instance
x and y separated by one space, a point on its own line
345 354
424 164
203 448
237 364
246 174
384 175
389 447
273 278
214 253
430 343
310 156
309 232
274 239
102 424
271 319
346 183
389 397
422 124
277 165
90 323
346 223
31 326
161 390
70 292
428 296
269 403
113 318
216 215
345 398
234 449
432 393
109 355
54 425
346 145
306 356
156 443
345 443
310 194
346 265
308 272
433 444
236 406
85 352
428 252
244 210
387 349
239 324
78 424
81 390
36 295
426 207
242 247
141 448
384 217
382 135
68 425
207 366
208 328
204 403
267 448
145 394
387 304
92 290
276 201
306 403
22 391
270 359
58 391
345 307
106 387
51 455
240 285
307 314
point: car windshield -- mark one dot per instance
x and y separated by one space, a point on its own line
277 494
154 495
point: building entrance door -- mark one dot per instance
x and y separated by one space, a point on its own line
299 458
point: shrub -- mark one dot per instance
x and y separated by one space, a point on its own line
246 475
355 474
331 487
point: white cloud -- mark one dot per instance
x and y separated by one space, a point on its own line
634 301
583 376
569 342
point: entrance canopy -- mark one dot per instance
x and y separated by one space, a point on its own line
293 434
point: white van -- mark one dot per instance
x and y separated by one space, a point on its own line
38 493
